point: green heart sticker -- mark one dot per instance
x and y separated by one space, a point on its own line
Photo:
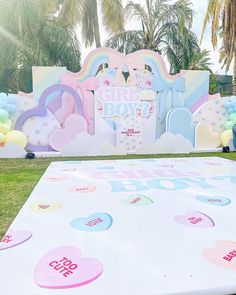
137 200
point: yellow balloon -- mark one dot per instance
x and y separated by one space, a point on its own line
5 128
8 122
2 137
16 137
226 136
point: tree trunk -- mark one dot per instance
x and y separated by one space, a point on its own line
234 74
96 25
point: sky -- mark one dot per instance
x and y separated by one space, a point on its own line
199 7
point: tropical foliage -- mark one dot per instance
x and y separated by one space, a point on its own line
31 33
183 51
165 28
222 15
156 19
85 12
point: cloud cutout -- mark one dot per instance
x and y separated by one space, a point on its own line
168 143
85 144
11 150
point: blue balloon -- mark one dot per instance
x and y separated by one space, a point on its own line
234 103
11 108
3 95
8 102
2 104
12 99
234 135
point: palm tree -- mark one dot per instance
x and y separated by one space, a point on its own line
85 12
165 29
32 34
184 53
222 14
157 18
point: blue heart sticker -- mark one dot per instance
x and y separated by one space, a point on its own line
106 168
214 200
95 222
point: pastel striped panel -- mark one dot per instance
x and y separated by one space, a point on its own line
196 88
43 77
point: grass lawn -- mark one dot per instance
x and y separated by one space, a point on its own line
19 176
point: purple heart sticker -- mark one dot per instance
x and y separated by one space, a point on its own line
15 238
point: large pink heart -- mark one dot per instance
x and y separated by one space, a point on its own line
61 137
223 255
195 219
63 268
13 239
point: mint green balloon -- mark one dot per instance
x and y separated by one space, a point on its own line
232 117
4 115
229 125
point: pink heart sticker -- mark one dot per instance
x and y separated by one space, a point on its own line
56 178
223 255
82 189
63 268
13 239
195 219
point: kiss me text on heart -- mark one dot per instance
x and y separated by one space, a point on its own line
6 239
63 266
230 255
195 220
94 222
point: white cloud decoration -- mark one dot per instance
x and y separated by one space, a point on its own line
168 143
85 144
11 150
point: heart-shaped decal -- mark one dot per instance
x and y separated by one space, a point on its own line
223 255
195 219
137 200
214 200
82 189
105 168
44 206
56 178
13 239
214 164
61 137
165 166
95 222
69 169
41 110
64 267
